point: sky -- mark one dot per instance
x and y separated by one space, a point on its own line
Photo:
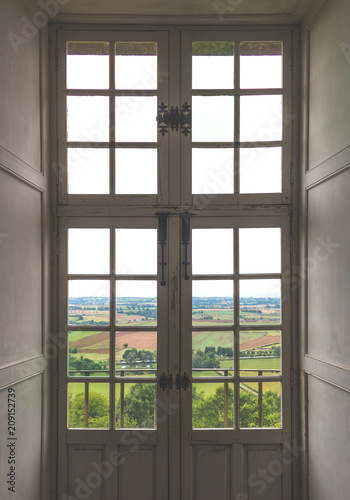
212 120
212 254
212 168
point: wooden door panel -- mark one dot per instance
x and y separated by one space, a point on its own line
212 472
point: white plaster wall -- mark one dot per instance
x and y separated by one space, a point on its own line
24 252
329 81
329 434
325 249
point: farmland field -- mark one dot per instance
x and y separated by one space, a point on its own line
213 311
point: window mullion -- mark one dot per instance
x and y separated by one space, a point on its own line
237 117
236 328
112 117
112 331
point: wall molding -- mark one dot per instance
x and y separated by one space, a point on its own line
21 170
327 372
327 169
11 375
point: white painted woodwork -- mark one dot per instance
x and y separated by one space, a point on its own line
329 256
206 7
324 123
212 472
329 74
324 269
21 277
85 479
20 87
138 474
264 462
175 461
25 253
329 436
28 444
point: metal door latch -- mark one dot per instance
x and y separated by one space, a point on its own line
166 381
174 118
182 381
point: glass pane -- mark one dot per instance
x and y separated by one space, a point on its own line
88 302
87 65
212 353
88 118
88 354
88 171
88 251
261 65
136 303
135 118
136 352
212 171
212 251
260 404
136 65
212 118
136 171
261 118
261 170
212 405
212 65
260 250
260 353
88 406
260 302
136 405
136 251
212 303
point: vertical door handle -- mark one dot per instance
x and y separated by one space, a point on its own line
185 240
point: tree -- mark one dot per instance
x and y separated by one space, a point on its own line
125 345
98 411
82 364
202 360
139 405
209 411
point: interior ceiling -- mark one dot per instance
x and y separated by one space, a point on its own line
288 9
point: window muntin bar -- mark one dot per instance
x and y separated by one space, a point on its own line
253 117
249 352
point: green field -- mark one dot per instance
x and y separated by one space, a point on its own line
77 388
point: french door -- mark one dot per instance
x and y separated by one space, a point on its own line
174 202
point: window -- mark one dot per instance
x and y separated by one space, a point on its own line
174 203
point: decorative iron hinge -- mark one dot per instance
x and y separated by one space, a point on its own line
166 381
174 118
182 381
186 119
